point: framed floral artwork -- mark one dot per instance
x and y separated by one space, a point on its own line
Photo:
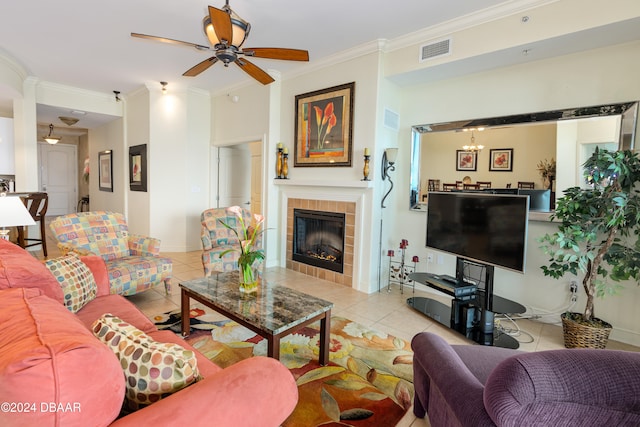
324 127
501 160
466 160
105 171
138 167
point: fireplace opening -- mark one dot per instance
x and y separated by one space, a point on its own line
318 239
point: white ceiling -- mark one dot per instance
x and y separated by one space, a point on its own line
87 44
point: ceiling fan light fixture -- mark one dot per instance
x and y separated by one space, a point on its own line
239 27
50 138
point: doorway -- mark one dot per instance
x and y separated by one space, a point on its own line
58 177
238 181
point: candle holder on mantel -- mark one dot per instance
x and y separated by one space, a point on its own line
399 271
285 164
279 162
365 170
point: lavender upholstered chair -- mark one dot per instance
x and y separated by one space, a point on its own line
473 385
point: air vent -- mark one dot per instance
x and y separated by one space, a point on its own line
391 119
435 50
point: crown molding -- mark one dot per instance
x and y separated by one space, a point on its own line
467 21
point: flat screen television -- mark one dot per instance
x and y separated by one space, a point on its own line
539 200
486 228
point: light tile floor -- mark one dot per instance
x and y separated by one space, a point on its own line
385 311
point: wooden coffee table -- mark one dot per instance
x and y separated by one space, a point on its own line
275 311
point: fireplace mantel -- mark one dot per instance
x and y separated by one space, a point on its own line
323 183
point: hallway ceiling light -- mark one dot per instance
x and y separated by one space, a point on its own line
69 121
50 138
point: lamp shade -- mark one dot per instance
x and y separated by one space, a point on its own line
13 212
391 154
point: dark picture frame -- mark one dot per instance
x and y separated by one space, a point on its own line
466 160
501 160
324 127
105 171
138 167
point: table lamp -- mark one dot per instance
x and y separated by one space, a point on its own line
13 213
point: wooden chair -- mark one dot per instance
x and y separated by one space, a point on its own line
449 187
459 185
484 184
433 185
509 185
36 204
471 186
525 184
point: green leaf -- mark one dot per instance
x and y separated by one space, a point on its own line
355 414
348 385
330 405
319 373
374 396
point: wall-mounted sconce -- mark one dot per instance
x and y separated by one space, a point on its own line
164 87
388 161
117 94
50 138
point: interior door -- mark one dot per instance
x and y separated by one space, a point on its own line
234 176
58 177
256 177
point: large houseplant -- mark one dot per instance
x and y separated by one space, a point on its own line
597 236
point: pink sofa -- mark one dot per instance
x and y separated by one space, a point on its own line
54 372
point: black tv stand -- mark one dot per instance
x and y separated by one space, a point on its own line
472 310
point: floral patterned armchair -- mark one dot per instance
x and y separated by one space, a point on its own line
216 238
132 261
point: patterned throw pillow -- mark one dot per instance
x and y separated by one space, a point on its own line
152 369
76 280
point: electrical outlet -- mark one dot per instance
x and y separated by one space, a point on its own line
573 289
573 286
429 257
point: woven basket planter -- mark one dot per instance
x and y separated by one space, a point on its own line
577 335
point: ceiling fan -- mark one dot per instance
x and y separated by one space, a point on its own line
227 32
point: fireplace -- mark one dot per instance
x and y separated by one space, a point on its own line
318 239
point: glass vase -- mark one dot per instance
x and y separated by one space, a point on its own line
249 278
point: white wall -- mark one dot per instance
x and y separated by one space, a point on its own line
589 78
7 156
108 137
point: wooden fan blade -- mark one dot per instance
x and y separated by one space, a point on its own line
254 71
172 41
198 68
221 22
277 53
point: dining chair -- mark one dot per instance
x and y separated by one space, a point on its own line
36 204
471 186
449 187
484 184
525 184
433 185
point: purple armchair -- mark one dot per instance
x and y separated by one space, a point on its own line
472 385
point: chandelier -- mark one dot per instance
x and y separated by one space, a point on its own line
473 147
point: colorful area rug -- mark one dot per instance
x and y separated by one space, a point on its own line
368 381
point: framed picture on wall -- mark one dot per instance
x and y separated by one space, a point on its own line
501 160
138 167
324 127
466 160
105 171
